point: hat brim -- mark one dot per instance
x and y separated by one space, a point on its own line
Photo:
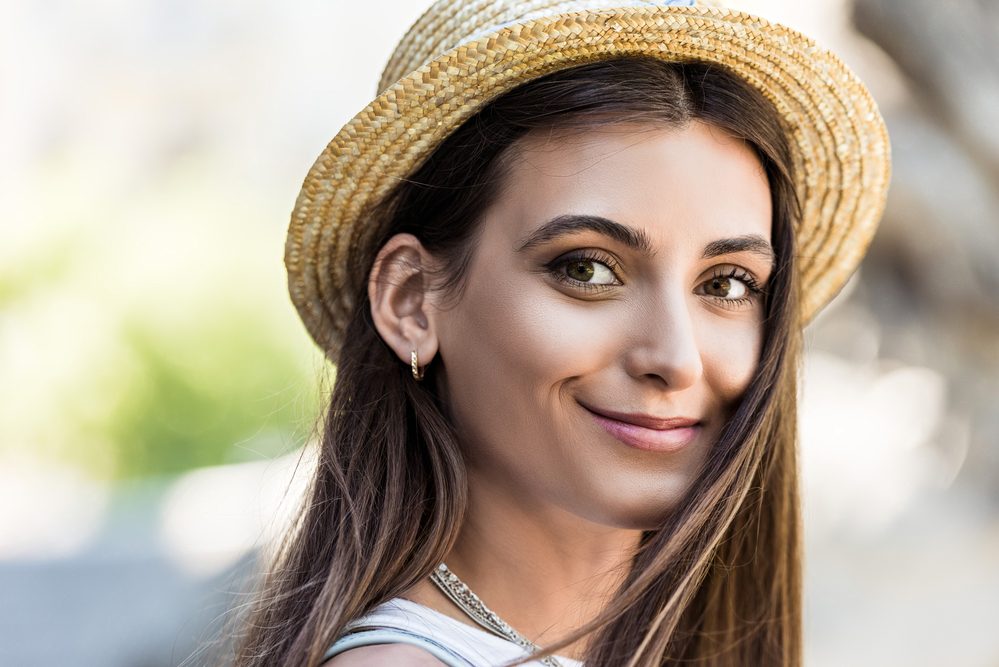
838 138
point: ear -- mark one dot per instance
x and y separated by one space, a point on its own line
399 289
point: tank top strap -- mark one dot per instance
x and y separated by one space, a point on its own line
368 636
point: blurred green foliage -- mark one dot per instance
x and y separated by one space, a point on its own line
222 389
150 332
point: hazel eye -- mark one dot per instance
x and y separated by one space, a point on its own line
589 271
734 288
726 287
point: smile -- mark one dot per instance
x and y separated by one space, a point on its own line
650 433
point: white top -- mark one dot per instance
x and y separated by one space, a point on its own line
455 643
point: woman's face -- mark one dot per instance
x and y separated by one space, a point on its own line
614 276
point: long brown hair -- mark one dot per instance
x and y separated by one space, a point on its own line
718 584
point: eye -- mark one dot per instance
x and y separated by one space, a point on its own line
729 288
589 271
584 270
734 288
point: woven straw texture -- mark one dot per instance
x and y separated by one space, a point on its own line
461 54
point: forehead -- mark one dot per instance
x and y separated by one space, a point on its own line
694 183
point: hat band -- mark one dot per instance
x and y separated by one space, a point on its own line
578 5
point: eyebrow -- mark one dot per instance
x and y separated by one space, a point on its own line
637 239
562 225
752 243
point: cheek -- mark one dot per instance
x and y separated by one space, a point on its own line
731 355
508 348
499 350
513 336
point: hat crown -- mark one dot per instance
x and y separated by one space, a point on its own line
461 54
449 23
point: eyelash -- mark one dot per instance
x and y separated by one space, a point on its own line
555 267
752 287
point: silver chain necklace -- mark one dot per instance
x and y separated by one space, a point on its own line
459 593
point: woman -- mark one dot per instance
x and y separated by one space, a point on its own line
562 264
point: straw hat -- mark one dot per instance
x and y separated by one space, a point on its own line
461 54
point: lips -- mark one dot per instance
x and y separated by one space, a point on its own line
648 432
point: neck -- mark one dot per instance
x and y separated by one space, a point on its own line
542 569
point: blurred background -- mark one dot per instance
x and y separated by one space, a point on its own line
156 386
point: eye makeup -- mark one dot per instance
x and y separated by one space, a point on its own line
557 268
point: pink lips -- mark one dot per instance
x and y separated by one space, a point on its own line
647 432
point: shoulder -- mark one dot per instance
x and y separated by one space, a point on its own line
380 655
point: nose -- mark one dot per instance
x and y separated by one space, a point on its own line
665 346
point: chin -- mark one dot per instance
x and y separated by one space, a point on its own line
637 511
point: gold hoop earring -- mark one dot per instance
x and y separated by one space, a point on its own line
415 363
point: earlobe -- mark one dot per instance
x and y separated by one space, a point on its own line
399 290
